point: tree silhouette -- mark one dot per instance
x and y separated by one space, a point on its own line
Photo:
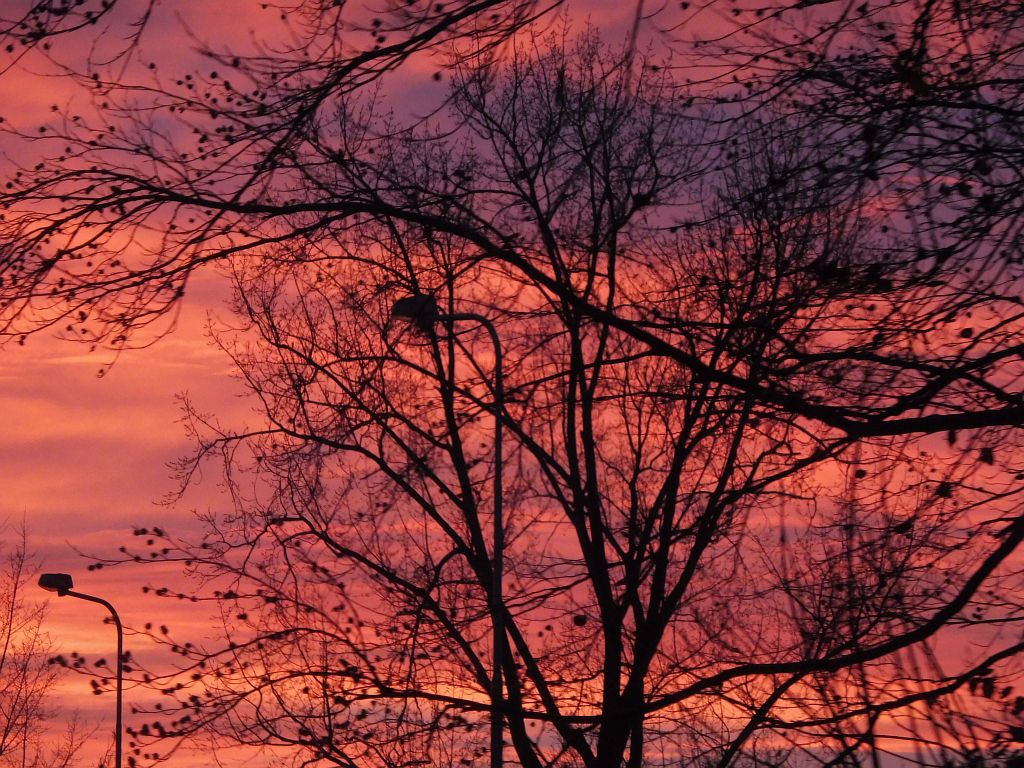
26 677
923 97
762 469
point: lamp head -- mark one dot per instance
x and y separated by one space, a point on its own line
419 309
61 583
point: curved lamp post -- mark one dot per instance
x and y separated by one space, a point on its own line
422 311
62 584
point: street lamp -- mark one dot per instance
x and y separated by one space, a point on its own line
422 311
62 584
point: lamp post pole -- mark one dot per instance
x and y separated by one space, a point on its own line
422 310
62 584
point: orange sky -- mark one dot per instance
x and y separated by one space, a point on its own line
82 461
84 458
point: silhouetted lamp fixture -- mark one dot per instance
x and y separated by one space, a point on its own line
419 309
63 584
422 311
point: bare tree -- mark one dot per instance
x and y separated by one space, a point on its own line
726 538
763 457
28 24
922 98
244 151
26 676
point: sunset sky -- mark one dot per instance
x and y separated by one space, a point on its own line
762 376
83 457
